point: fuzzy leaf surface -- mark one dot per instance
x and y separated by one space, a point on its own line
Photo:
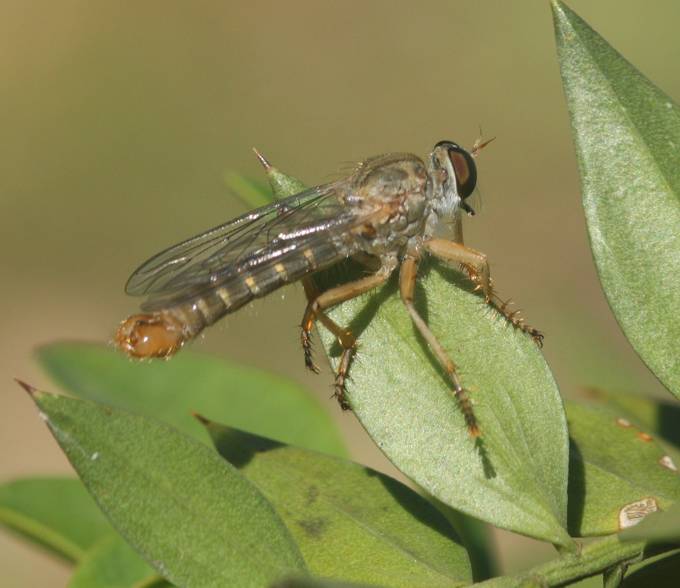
518 481
627 136
345 517
618 472
187 511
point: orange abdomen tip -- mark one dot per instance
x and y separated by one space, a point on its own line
150 335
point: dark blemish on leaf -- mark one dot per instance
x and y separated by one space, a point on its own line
644 437
312 495
313 527
624 423
667 462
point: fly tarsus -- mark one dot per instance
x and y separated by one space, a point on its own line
306 340
465 405
515 318
340 392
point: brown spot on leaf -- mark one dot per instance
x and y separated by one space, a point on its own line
644 437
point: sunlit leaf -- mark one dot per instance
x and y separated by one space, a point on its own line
398 392
171 391
653 415
56 513
618 472
627 135
350 522
111 563
191 514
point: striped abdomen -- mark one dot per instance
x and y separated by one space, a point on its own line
163 332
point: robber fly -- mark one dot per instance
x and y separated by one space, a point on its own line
385 211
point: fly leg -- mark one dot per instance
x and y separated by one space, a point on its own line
312 292
407 284
476 266
315 311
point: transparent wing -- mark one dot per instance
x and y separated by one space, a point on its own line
247 241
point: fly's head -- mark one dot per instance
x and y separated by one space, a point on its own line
454 176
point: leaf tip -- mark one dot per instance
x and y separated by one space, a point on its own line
32 391
262 159
206 422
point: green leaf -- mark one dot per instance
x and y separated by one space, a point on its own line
112 563
350 522
618 473
654 416
659 527
402 398
56 513
477 538
515 480
250 192
154 582
171 391
303 582
627 135
186 510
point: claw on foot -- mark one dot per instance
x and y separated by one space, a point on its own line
517 320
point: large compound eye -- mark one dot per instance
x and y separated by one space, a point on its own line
465 169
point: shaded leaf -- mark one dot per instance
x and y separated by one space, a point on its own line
660 572
186 510
660 527
627 135
478 539
56 513
152 582
400 395
111 563
171 391
618 473
350 522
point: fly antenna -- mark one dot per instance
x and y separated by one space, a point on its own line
479 143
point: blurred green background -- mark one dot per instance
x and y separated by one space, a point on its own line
119 119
